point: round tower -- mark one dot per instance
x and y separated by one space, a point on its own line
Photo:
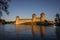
34 17
17 19
42 17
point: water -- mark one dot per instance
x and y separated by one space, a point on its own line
29 32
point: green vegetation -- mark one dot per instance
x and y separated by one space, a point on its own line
57 19
2 21
9 22
4 4
46 23
27 23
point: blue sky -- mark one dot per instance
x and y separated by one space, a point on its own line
25 9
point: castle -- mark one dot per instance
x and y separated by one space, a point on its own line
33 19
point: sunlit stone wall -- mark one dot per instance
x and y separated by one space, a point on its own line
33 19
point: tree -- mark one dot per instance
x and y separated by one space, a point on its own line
58 15
57 19
4 4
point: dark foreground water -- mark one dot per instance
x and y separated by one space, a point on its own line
29 32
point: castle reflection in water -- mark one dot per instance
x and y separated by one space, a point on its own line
35 30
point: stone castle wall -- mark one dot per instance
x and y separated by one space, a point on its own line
24 20
33 19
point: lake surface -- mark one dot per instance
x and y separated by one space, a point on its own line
29 32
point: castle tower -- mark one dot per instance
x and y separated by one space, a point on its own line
34 18
42 18
17 19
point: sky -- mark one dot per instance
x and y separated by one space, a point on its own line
25 9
